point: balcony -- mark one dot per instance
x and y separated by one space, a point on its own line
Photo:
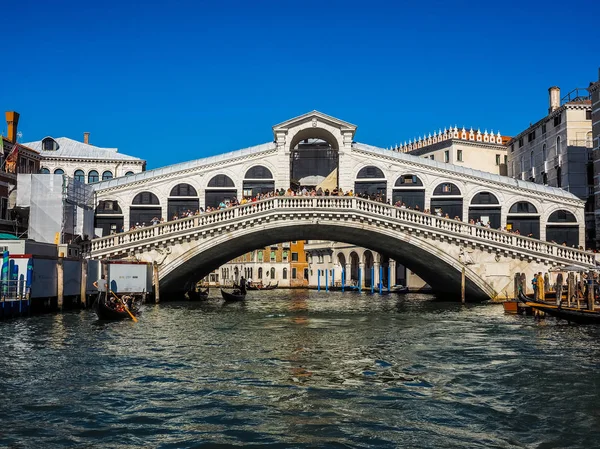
558 160
547 166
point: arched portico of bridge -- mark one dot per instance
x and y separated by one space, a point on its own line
195 259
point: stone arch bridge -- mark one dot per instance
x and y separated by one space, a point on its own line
435 248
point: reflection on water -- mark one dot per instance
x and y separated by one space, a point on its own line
291 368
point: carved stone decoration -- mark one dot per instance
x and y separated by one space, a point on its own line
314 122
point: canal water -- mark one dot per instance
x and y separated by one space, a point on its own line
292 368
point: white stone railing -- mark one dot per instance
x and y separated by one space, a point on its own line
475 234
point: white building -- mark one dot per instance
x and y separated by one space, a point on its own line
474 149
82 161
557 151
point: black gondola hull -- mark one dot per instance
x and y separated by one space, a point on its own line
232 297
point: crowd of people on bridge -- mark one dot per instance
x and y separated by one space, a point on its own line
320 192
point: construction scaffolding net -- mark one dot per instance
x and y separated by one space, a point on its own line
60 208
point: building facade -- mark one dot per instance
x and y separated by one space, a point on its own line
283 264
15 158
594 90
557 151
88 164
474 149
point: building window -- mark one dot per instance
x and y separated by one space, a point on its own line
44 171
31 167
544 152
284 256
294 273
260 256
512 148
557 119
129 173
79 176
531 136
558 146
59 171
273 256
272 273
260 273
447 156
588 115
520 142
4 208
544 128
305 273
497 159
294 257
294 242
459 155
285 273
107 175
505 159
93 176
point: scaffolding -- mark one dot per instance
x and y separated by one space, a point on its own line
60 208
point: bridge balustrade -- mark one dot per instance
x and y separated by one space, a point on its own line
330 203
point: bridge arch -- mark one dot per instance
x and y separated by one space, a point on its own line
562 227
370 180
219 188
144 207
257 179
183 197
409 190
523 217
440 269
485 207
447 199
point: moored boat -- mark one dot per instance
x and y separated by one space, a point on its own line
571 314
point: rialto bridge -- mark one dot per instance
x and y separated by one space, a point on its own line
318 150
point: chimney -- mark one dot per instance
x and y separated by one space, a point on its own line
86 138
12 121
554 94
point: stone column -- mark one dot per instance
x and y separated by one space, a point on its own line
348 273
393 278
376 279
361 268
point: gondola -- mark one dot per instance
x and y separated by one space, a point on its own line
199 295
399 289
106 312
571 314
270 287
236 295
255 287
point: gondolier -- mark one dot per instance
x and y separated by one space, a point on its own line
101 285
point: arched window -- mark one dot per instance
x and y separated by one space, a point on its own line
562 216
107 175
183 200
221 181
544 152
408 181
446 188
49 144
558 146
44 171
129 173
272 273
258 179
285 273
531 160
259 172
93 176
183 190
145 198
260 273
485 198
79 176
59 171
522 207
370 173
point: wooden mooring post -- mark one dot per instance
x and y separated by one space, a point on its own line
156 282
463 280
60 287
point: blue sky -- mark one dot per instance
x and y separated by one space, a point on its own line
177 80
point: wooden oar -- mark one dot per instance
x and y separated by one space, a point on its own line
126 308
